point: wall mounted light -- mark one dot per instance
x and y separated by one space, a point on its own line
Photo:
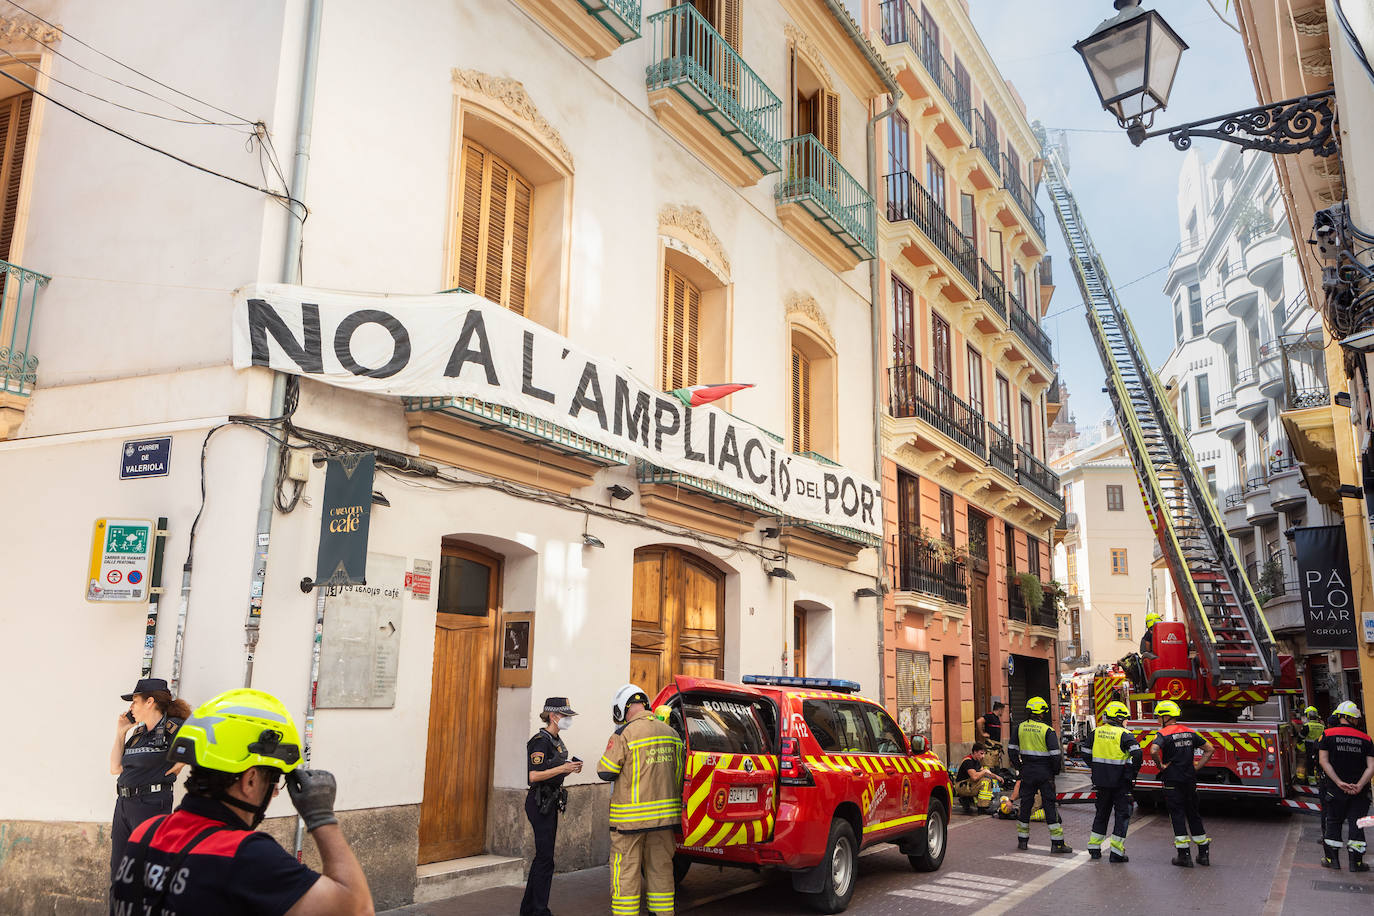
619 491
379 499
1350 491
1342 399
869 592
591 540
781 572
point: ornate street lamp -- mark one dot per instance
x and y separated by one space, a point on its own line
1132 59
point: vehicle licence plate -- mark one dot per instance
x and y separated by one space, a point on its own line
744 795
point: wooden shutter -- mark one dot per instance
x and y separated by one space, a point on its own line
830 122
681 345
728 22
801 402
14 133
494 229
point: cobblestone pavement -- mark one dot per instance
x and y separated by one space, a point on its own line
1265 862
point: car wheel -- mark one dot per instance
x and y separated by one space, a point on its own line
937 831
680 866
839 868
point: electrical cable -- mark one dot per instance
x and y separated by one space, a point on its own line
149 146
1354 40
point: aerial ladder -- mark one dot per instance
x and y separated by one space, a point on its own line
1221 658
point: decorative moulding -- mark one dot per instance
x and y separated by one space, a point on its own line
802 304
812 53
511 95
692 221
19 28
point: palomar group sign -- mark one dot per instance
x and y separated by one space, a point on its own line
460 345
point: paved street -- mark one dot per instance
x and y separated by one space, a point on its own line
1264 862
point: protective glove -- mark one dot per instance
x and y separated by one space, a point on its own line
312 792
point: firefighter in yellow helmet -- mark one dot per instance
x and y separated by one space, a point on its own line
644 760
207 856
1174 751
1147 641
1310 738
1035 752
1115 757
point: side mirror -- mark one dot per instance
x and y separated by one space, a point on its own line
919 745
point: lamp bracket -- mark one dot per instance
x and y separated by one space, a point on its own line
1302 124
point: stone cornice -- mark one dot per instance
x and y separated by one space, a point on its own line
692 221
511 94
812 53
802 304
18 28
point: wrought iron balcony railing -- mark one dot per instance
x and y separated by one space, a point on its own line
991 288
813 178
1035 475
985 139
1026 328
619 17
692 58
907 200
901 23
18 304
916 394
1001 451
1303 398
1046 271
1011 180
920 566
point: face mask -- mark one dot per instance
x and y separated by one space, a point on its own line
564 723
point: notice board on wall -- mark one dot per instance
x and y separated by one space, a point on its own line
360 645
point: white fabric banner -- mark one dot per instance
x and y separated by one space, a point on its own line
463 346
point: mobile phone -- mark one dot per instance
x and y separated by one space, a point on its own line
128 715
576 759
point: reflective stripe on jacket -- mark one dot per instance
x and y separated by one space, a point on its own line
1036 746
1116 756
644 759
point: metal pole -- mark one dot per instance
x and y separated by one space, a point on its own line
154 596
180 643
309 732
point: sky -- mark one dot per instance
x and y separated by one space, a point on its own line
1128 195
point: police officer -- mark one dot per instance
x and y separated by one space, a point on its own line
1173 751
1312 729
143 733
1346 755
644 760
207 856
1035 751
548 763
1115 757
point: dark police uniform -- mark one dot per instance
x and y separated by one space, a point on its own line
1115 757
144 789
542 752
1176 746
1346 749
201 859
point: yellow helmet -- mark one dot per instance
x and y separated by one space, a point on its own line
237 730
1153 618
1310 711
1167 708
1037 705
1116 710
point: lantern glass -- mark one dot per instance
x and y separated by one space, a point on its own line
1132 59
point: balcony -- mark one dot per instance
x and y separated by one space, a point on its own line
1310 427
992 290
1285 484
1012 182
1270 367
915 394
908 201
1259 508
927 568
1219 323
1030 332
1241 296
1043 616
591 28
1001 451
18 364
1303 398
1035 475
1225 421
1264 256
1250 401
903 32
824 207
705 94
1233 513
702 505
986 142
1053 401
1046 282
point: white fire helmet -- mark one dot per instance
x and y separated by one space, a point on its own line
626 695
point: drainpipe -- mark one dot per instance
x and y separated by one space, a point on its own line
875 317
289 274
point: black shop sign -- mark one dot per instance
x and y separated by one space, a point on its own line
342 558
1328 601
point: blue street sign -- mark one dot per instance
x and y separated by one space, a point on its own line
145 458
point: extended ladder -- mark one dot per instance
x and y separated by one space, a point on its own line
1236 652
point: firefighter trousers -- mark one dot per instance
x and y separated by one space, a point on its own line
1031 783
642 865
1341 810
1111 800
1181 800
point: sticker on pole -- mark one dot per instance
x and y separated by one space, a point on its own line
121 554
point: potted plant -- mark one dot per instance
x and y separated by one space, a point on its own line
1252 222
1032 591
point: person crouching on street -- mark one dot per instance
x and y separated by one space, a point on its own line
1346 756
973 782
1036 754
144 788
1115 757
1174 752
644 760
548 763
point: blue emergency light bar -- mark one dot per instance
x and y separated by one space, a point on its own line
839 685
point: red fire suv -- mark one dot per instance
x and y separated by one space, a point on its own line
800 774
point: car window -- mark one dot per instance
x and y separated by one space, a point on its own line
820 720
728 725
855 738
885 731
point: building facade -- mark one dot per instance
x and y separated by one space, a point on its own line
1107 588
969 500
679 188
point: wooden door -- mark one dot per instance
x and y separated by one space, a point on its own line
677 623
462 706
940 344
798 642
982 657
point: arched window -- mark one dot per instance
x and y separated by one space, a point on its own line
811 419
681 355
494 229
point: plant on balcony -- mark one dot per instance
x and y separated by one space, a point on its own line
1032 591
1252 221
943 549
1269 584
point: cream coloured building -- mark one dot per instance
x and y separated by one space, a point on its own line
681 189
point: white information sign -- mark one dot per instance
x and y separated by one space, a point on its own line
121 555
361 642
1367 617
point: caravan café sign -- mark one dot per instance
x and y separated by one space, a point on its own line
459 345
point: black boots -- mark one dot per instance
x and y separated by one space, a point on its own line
1094 852
1182 858
1331 858
1059 847
1357 862
1122 857
1204 855
1023 842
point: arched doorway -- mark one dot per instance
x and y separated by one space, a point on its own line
678 620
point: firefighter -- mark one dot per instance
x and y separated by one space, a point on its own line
1115 757
1311 735
1035 752
1147 641
973 781
1173 752
1346 755
644 760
